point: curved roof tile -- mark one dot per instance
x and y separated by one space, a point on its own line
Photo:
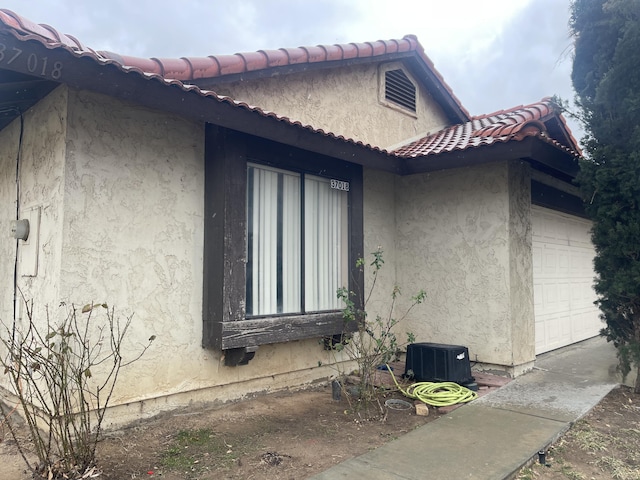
220 65
254 61
275 58
152 70
27 27
502 126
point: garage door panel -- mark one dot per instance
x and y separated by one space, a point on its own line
562 280
554 331
540 332
537 296
587 296
564 263
564 296
584 325
550 298
550 261
578 294
537 260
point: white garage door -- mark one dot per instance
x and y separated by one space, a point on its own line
562 280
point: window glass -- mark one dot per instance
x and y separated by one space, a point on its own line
325 236
288 214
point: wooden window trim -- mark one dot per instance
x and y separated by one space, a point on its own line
225 325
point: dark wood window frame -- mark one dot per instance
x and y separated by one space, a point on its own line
225 325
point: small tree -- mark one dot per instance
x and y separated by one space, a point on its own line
374 342
606 77
64 375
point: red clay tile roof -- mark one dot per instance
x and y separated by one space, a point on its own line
188 69
26 30
502 126
213 66
26 27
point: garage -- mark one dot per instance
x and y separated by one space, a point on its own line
562 280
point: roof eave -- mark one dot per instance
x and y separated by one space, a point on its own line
153 92
422 71
540 154
558 128
442 95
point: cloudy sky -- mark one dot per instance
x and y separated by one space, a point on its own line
494 54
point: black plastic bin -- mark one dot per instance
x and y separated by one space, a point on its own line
435 362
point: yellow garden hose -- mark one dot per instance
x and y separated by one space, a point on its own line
440 394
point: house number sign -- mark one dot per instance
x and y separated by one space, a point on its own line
34 63
340 185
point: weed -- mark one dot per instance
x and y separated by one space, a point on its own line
176 459
374 341
190 449
571 474
194 437
590 440
619 470
526 474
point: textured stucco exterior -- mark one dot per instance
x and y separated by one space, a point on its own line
41 184
121 194
345 101
121 190
379 217
464 237
521 267
40 163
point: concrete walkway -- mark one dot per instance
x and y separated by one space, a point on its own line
492 437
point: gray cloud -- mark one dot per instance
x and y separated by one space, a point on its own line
528 58
150 28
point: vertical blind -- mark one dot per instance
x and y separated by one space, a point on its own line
325 243
292 216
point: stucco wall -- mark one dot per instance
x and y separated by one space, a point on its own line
344 101
521 264
42 185
462 237
8 155
41 181
121 193
379 218
133 229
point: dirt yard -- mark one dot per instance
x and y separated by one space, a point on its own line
294 435
605 444
279 436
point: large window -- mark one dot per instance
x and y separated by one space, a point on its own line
283 228
297 241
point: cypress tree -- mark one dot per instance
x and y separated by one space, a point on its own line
606 77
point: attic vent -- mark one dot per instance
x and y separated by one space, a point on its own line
399 89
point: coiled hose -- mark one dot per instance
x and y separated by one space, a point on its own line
437 394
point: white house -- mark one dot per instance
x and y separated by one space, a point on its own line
224 199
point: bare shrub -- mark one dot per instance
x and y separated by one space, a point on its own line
63 374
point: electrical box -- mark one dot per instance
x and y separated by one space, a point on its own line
30 247
435 362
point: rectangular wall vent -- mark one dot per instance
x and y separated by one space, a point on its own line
399 89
